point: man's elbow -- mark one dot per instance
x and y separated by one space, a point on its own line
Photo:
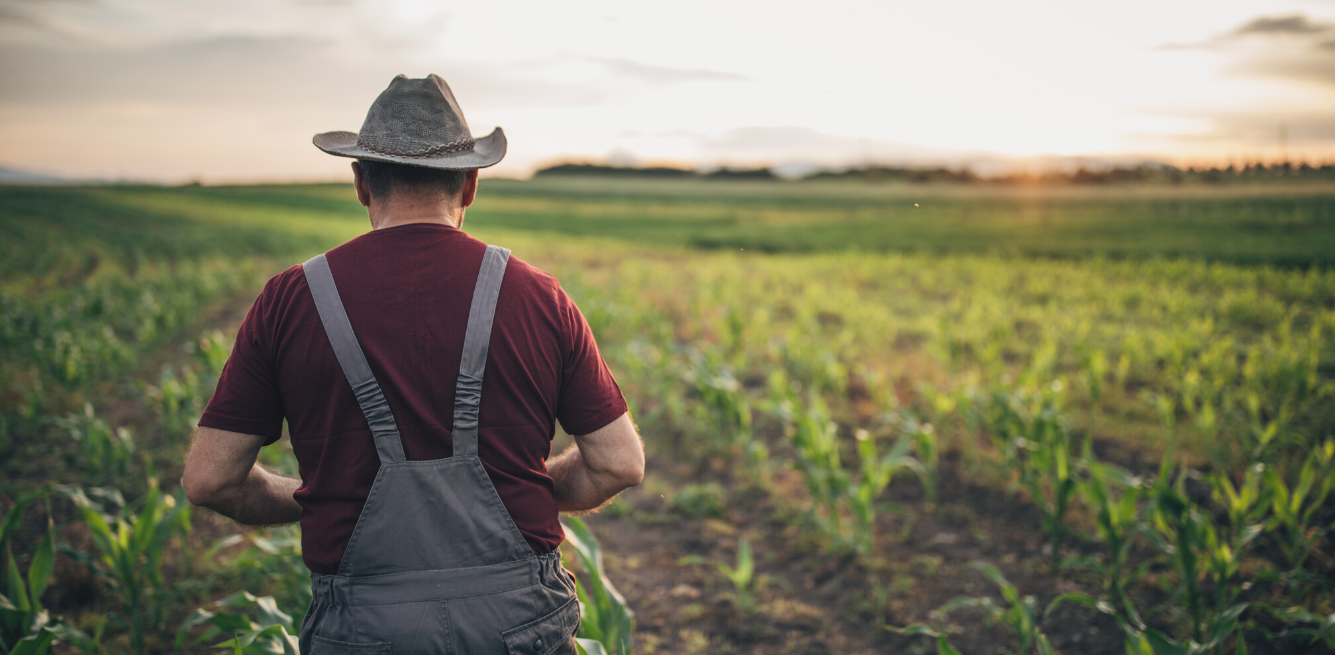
634 472
197 491
614 477
629 472
203 490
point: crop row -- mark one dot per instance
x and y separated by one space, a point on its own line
849 371
1234 393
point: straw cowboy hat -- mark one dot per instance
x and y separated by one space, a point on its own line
416 122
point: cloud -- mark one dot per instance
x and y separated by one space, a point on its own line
1296 24
11 14
1295 27
665 75
252 72
227 70
26 23
1293 47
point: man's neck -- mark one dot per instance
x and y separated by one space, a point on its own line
396 212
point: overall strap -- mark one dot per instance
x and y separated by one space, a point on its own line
352 361
468 391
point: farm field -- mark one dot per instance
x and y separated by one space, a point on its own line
1095 420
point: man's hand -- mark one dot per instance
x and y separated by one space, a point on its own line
222 475
598 467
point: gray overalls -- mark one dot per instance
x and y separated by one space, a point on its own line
435 564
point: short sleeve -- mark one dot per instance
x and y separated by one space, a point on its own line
247 399
590 397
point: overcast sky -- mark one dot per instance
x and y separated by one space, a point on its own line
229 91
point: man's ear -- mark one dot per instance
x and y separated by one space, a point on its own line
359 183
470 189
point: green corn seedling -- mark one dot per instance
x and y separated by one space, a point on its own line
943 645
176 399
1198 549
1246 506
1057 488
1295 508
1310 628
926 442
107 454
130 547
817 448
742 576
1095 369
271 632
729 415
605 617
87 644
1138 639
1180 526
845 505
1115 496
25 627
1019 613
589 647
273 561
875 474
1030 430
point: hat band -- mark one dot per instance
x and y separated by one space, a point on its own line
442 149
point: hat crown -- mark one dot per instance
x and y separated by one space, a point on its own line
415 118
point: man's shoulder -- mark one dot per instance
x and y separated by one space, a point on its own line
531 277
286 282
279 293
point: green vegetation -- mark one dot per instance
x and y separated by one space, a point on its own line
742 576
1273 224
1019 614
797 347
605 617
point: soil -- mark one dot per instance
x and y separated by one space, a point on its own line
818 602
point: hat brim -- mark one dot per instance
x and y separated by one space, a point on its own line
486 151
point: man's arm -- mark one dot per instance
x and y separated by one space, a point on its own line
599 466
221 474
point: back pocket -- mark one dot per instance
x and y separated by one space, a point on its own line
322 646
554 633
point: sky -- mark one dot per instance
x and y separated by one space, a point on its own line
174 90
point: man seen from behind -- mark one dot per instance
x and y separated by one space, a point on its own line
421 373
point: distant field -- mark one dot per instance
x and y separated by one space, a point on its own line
1279 224
1276 224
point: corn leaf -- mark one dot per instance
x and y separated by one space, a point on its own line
43 564
589 647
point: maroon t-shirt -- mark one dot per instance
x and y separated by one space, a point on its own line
407 291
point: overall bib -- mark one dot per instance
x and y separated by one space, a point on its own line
435 563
